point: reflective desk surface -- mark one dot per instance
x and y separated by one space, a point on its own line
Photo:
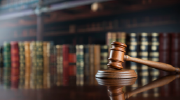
163 88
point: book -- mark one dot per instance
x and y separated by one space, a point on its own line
27 64
103 56
86 65
59 65
33 74
15 65
39 64
72 65
175 50
22 64
96 61
132 51
91 64
154 54
45 64
164 50
143 54
52 65
7 64
1 64
79 65
65 49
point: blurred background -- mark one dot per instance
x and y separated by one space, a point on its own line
150 28
84 21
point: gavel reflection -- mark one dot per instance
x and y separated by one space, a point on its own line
115 86
117 57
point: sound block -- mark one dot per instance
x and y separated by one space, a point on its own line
123 73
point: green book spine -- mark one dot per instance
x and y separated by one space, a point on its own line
86 65
104 57
22 65
39 63
79 65
7 64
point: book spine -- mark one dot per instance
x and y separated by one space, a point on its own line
33 74
133 52
22 65
108 39
14 64
154 54
7 64
52 62
49 46
1 64
59 65
65 65
79 65
45 64
96 60
91 60
86 65
143 54
175 50
72 65
27 64
104 57
164 50
39 63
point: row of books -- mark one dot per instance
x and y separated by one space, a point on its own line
35 64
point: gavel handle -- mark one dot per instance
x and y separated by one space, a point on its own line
157 65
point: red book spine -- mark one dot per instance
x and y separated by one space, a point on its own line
14 64
72 65
175 48
164 50
65 65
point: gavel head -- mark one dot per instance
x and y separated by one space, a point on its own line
116 55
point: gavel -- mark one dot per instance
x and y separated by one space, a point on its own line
117 57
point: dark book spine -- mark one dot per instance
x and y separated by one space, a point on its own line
79 65
143 54
59 65
33 74
86 65
1 64
14 64
154 54
39 63
7 64
72 65
164 50
65 65
104 57
175 50
91 60
132 52
22 65
52 62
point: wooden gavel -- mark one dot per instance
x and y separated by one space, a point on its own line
117 57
